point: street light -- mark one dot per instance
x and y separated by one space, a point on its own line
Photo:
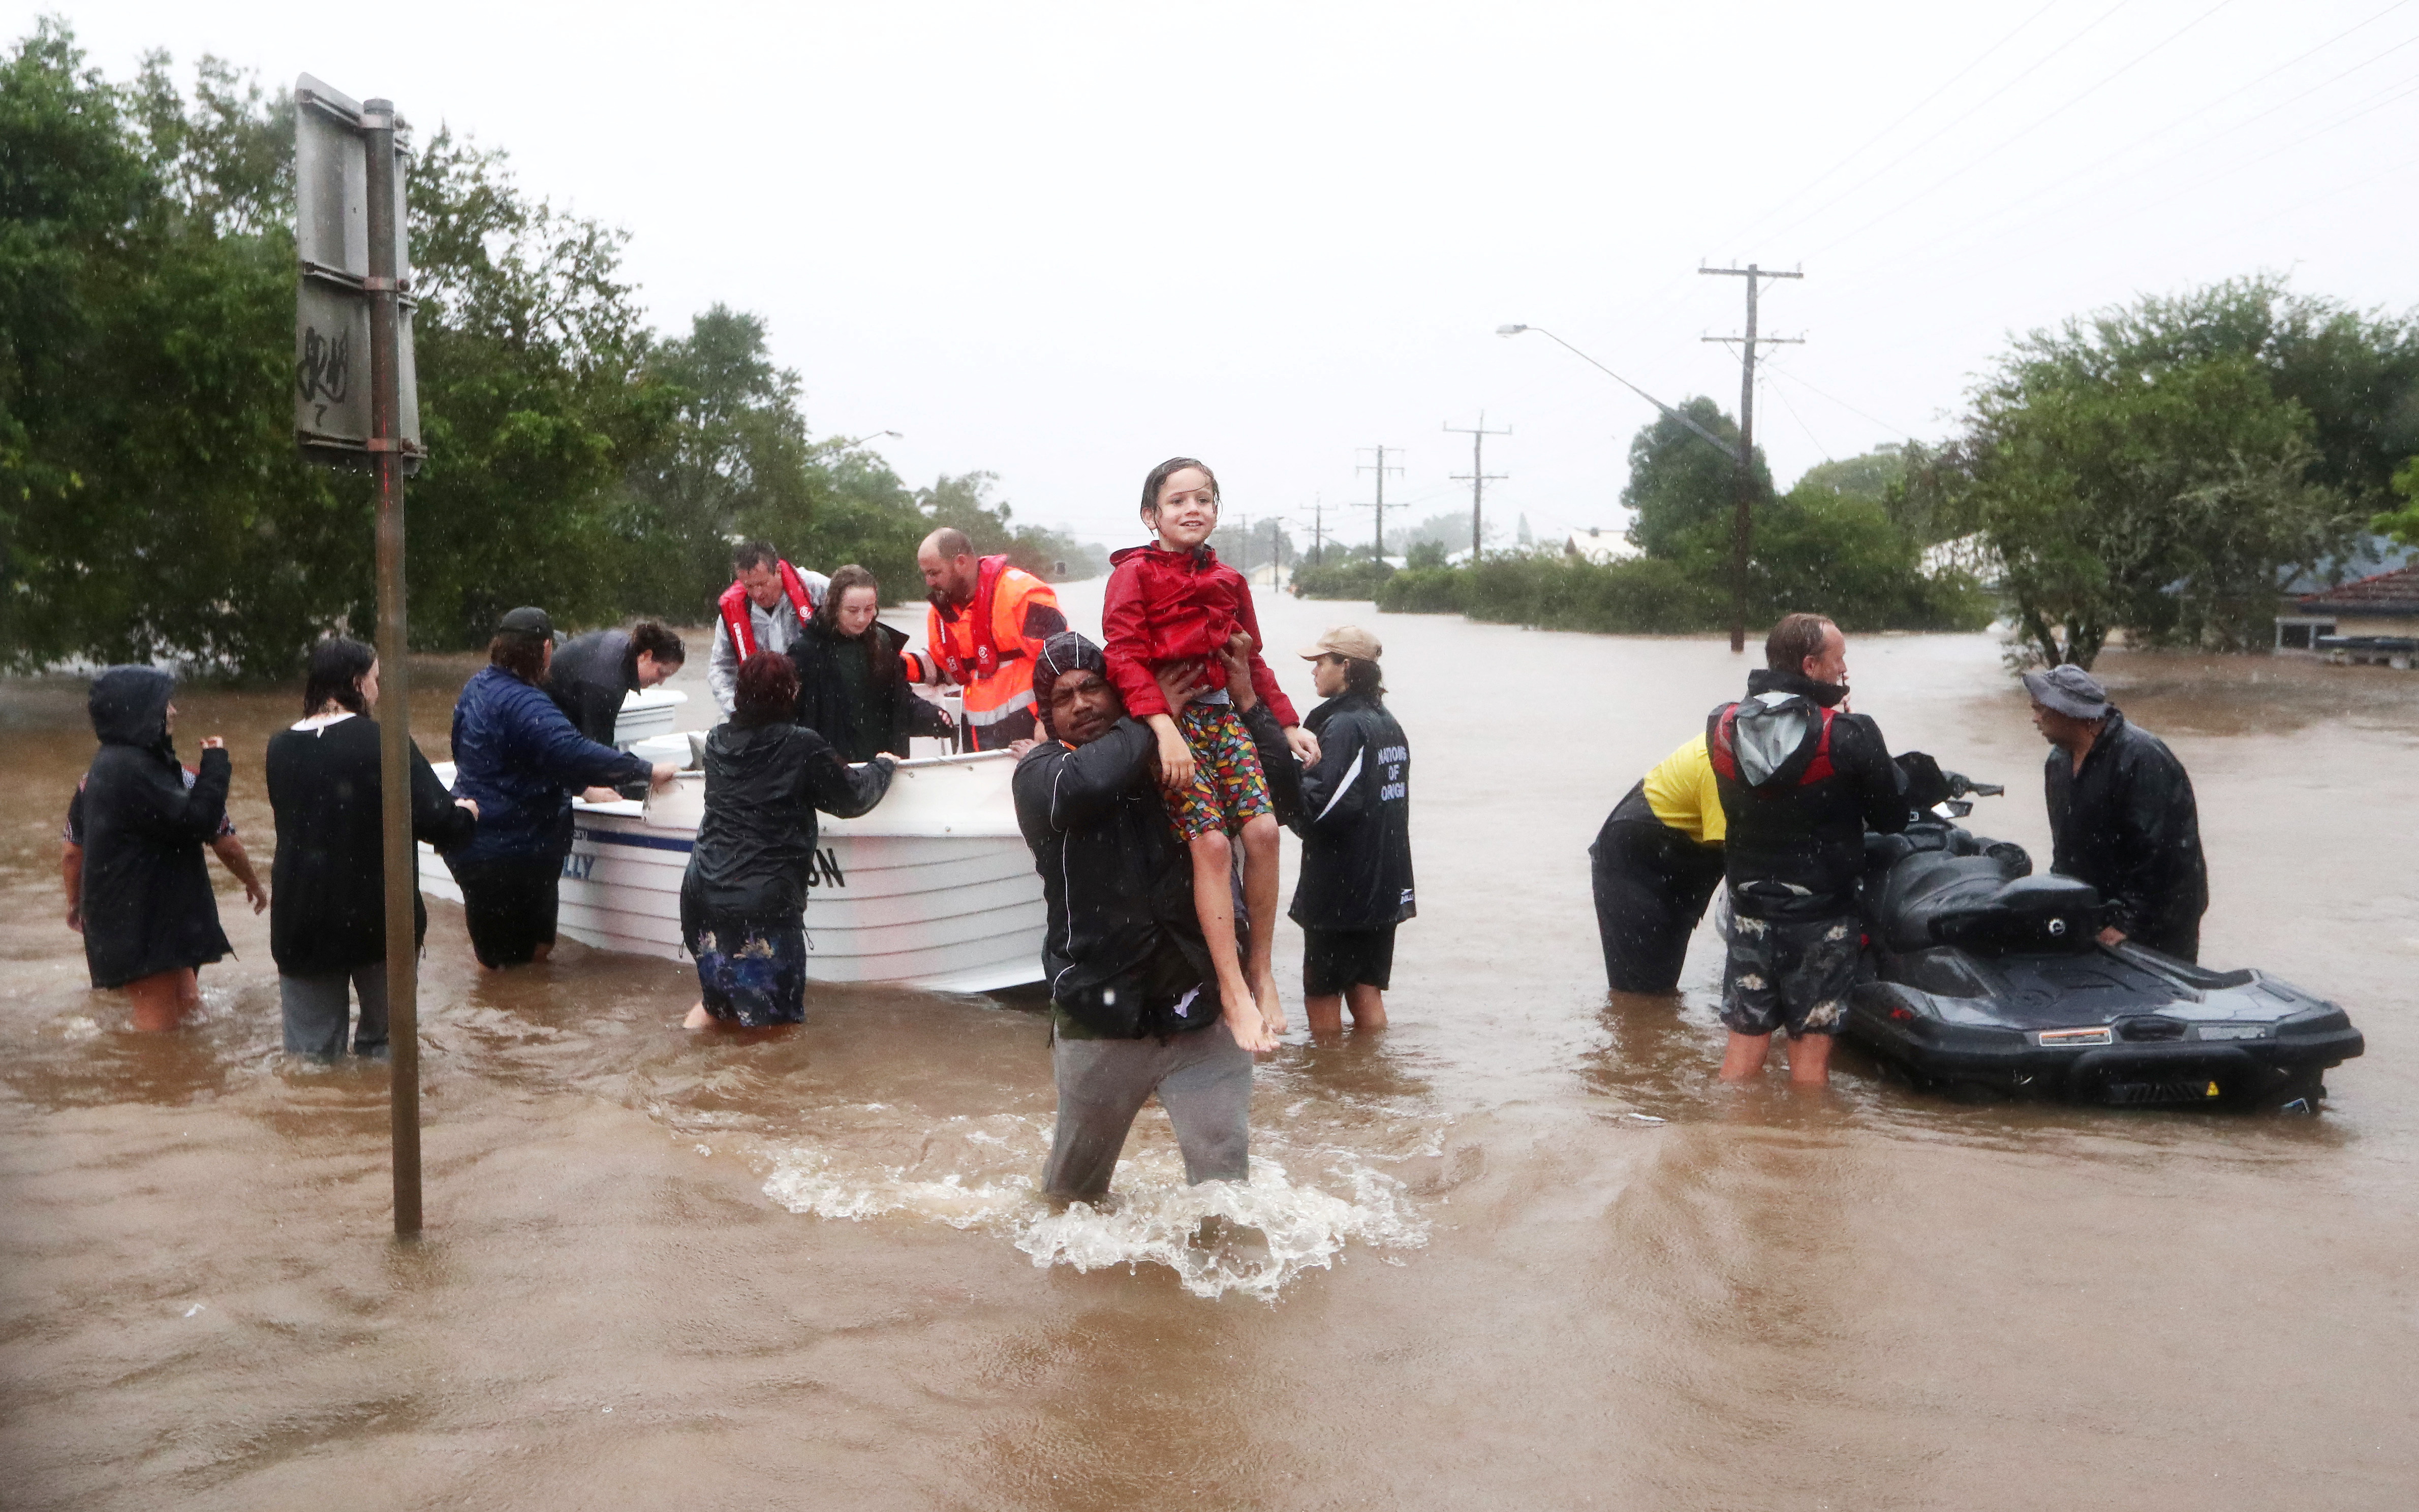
1724 446
844 442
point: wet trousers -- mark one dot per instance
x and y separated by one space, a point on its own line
1203 1078
1652 885
318 1010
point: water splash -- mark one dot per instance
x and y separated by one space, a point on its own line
1247 1237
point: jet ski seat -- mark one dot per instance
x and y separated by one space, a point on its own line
1941 885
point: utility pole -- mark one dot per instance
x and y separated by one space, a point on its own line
1742 520
1319 529
1380 468
1478 478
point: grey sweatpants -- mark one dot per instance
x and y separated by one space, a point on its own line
317 1012
1203 1078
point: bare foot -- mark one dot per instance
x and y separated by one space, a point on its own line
697 1018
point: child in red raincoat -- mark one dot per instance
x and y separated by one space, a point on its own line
1175 601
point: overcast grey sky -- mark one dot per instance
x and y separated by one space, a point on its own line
1063 241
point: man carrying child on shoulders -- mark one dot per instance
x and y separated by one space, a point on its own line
1134 1004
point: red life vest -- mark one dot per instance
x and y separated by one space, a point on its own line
987 654
1720 749
733 605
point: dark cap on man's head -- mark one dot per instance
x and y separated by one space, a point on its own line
1064 653
526 621
2068 690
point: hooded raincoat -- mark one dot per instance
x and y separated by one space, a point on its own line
148 904
2128 825
855 693
1800 785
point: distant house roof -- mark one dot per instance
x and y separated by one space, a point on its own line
2395 592
2369 555
1600 547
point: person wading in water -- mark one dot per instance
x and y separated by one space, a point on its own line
1801 781
1133 1001
1356 838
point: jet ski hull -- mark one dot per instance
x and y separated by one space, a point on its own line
1986 979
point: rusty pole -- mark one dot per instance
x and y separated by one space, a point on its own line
395 657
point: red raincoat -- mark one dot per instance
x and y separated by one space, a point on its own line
1177 607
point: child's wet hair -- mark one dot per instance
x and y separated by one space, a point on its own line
1160 474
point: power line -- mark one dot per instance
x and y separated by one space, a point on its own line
2104 17
1970 162
2007 216
1908 115
1843 403
1478 478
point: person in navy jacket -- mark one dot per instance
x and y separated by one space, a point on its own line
519 759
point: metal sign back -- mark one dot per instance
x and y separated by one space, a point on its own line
331 314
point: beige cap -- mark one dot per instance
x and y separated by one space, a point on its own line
1346 640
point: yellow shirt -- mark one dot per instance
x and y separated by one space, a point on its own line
1681 793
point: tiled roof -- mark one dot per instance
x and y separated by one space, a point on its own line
2394 592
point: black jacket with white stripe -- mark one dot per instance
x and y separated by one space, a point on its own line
1356 820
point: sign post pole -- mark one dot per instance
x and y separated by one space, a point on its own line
395 660
352 299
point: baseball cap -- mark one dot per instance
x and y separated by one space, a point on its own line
526 621
1345 640
2069 690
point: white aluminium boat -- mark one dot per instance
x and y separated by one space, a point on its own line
933 889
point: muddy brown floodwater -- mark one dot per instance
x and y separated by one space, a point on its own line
1521 1251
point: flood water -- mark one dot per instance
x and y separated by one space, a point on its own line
1519 1250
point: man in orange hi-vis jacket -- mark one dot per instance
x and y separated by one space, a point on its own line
986 625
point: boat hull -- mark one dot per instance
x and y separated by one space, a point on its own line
934 889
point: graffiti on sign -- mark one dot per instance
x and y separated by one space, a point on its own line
325 374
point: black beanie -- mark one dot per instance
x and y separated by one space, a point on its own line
1066 651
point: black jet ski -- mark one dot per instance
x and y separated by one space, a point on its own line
1986 978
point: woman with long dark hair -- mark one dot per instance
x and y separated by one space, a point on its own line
853 690
327 919
742 903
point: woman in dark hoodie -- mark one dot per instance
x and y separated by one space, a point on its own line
149 917
327 927
851 688
742 903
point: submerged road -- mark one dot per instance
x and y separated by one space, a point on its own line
1521 1251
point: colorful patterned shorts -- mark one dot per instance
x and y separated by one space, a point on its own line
751 974
1790 974
1229 788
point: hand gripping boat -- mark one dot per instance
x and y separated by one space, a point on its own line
1986 978
933 888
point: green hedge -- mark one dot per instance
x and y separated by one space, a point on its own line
1344 580
1649 595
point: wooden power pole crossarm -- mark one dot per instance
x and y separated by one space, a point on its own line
1742 517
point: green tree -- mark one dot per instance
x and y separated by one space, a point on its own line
1682 489
2403 524
2168 498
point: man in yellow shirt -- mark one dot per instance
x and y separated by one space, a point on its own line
1657 863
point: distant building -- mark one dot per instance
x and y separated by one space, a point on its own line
2372 619
1601 547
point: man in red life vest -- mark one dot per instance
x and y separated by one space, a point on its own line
1801 780
762 611
986 625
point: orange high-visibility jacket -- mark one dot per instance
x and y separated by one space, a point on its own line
988 647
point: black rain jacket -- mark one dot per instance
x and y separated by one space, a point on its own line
1796 848
327 911
756 844
2128 825
1117 882
589 676
1356 820
826 707
148 904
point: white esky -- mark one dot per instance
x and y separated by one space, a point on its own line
1063 241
